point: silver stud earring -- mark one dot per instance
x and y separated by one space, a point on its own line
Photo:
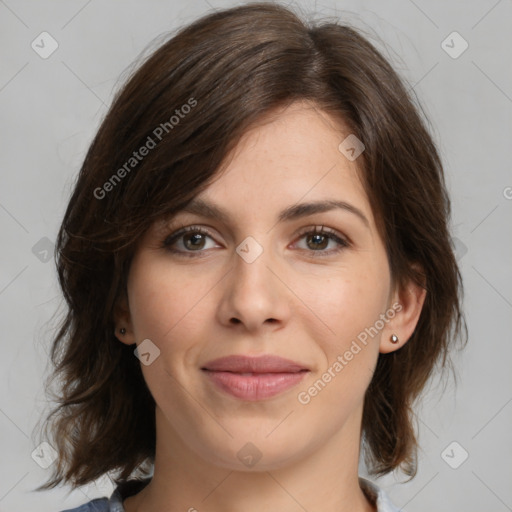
394 338
122 330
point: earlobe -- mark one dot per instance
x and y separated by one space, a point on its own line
400 328
124 335
122 319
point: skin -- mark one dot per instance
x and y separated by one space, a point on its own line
290 301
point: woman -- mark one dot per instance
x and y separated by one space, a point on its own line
259 274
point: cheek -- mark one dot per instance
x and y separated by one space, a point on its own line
349 308
166 308
346 302
161 299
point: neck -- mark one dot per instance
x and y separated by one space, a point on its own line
324 479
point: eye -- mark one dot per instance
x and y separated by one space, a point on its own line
190 239
319 238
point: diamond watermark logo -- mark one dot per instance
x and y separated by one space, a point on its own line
249 454
249 250
43 250
147 352
44 45
351 147
44 455
454 45
459 247
454 455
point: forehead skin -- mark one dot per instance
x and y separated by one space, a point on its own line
289 156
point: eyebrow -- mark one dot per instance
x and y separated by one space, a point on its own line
297 211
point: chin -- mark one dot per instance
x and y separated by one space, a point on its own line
252 453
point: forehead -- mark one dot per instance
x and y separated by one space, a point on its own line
291 154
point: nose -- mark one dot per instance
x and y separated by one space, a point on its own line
253 296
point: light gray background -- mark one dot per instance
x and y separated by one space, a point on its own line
51 108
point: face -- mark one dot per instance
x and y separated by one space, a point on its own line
265 277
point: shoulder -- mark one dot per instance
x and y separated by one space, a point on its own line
115 502
377 496
96 505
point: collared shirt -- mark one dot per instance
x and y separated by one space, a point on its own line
115 503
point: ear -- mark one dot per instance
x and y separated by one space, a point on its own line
407 302
122 320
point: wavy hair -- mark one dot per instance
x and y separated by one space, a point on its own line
231 67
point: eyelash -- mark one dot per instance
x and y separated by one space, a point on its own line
169 241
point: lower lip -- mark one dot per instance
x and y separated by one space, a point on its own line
257 386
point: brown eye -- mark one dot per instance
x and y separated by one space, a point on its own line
317 240
189 240
194 241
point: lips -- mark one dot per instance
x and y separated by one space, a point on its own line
260 364
254 378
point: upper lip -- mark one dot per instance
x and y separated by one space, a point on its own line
260 364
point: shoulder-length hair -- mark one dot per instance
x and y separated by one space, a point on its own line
189 104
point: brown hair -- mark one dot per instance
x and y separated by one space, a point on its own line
229 68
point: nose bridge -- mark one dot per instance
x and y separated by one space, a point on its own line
253 295
250 266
